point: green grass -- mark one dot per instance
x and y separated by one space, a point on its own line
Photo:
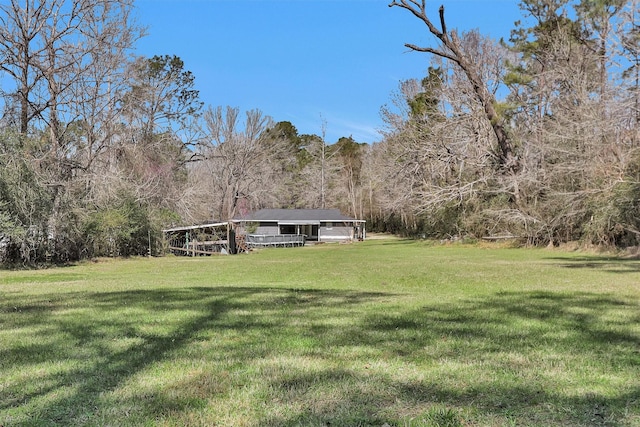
384 332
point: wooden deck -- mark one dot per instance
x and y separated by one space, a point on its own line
274 241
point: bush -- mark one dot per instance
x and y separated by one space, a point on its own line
124 229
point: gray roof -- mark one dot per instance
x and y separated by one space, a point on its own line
194 227
280 215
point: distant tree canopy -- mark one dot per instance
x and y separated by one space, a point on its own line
537 137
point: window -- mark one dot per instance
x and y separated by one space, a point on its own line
287 229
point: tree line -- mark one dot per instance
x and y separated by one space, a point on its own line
534 137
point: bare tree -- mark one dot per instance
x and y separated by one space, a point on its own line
629 29
50 48
19 34
350 156
61 55
440 148
572 126
237 161
452 49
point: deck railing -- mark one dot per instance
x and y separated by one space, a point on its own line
277 240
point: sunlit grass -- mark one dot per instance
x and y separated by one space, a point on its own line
382 332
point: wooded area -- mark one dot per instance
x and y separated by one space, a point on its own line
536 137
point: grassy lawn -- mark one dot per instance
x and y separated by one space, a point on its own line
383 332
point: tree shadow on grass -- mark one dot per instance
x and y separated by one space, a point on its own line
611 264
77 331
522 357
506 358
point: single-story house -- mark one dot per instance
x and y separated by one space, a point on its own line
264 228
315 225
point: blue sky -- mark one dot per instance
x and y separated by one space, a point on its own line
307 61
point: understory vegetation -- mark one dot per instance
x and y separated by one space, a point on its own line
535 137
380 333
